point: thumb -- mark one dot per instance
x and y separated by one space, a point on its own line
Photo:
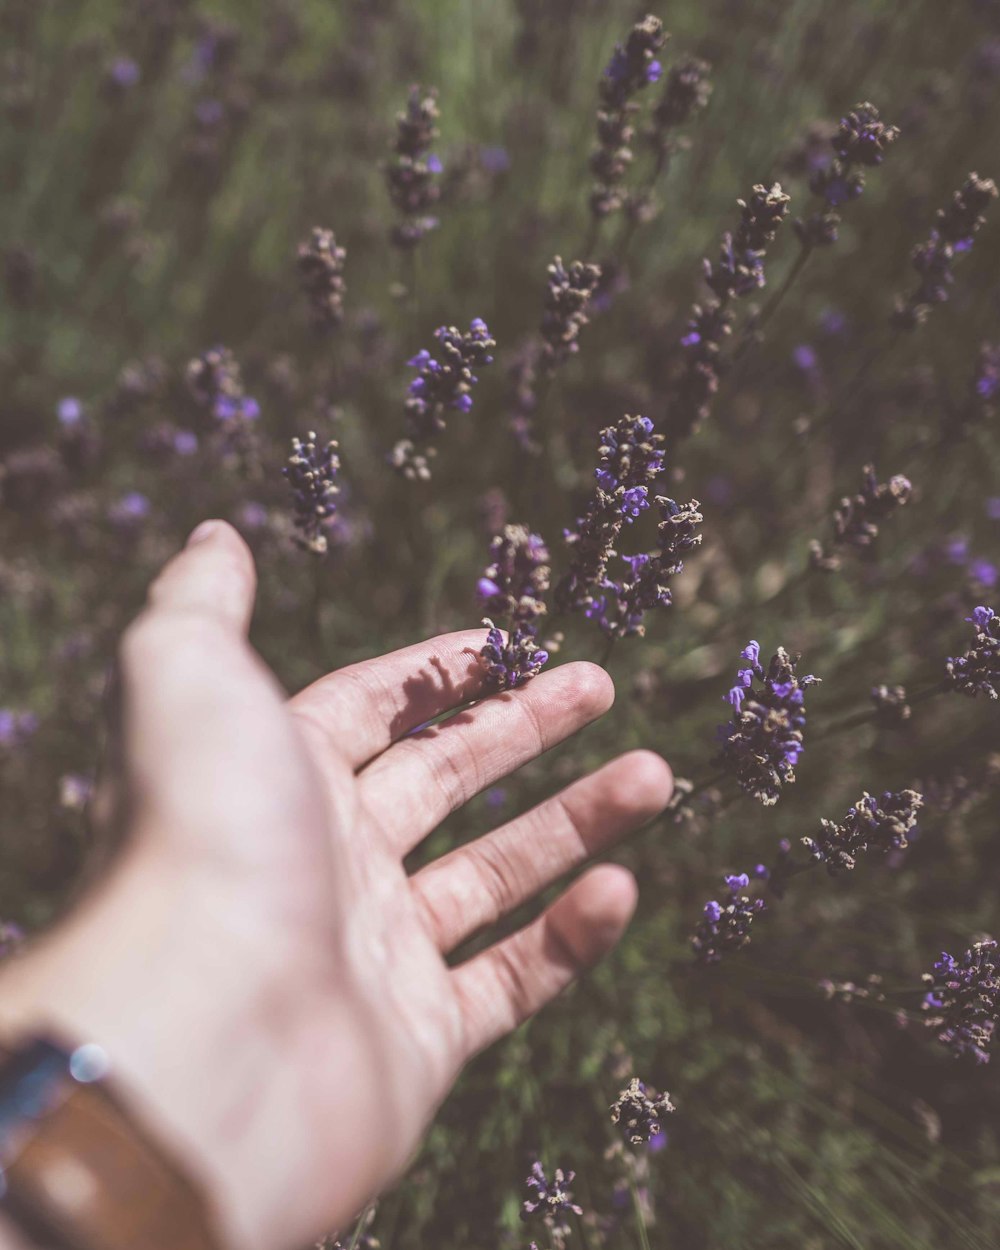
213 576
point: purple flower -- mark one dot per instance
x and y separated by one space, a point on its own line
962 1000
568 296
495 160
762 743
69 411
637 1112
953 234
514 584
17 728
129 510
412 171
857 517
444 383
978 671
725 926
549 1200
993 508
124 73
984 572
873 824
321 273
311 472
512 663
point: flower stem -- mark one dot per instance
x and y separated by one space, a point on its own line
776 300
606 654
359 1229
637 1208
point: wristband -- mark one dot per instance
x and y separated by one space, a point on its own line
77 1172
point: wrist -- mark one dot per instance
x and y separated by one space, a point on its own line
136 970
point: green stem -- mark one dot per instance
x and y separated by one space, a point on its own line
639 1217
776 300
608 651
359 1229
317 613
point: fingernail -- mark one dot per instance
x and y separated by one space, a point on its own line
205 530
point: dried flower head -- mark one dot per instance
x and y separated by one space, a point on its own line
514 583
412 172
872 824
321 269
633 66
638 1110
891 707
548 1200
725 926
511 663
857 518
312 474
963 1000
862 139
686 93
567 299
978 671
763 742
954 233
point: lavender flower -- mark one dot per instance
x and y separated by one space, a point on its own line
725 926
962 1000
549 1200
862 139
514 583
985 389
954 233
637 1112
411 173
978 671
633 66
857 518
216 383
620 607
630 458
321 269
312 474
872 824
738 272
444 382
891 708
763 742
686 93
567 298
512 663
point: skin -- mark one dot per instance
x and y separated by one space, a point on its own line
270 983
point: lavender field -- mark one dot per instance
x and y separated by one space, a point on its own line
664 339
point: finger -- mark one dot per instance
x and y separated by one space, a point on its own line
213 577
364 708
476 885
412 787
506 984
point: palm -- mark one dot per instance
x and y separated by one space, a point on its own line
335 789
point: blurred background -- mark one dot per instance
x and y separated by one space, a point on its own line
162 160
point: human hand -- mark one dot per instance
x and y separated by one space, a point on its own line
269 982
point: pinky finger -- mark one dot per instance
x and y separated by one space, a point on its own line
500 988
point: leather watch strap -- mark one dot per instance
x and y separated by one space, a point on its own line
78 1172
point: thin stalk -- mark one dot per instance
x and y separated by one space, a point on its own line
591 238
317 613
608 651
359 1229
640 1219
867 717
777 299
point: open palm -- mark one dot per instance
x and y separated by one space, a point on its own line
285 824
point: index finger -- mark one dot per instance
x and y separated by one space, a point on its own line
364 708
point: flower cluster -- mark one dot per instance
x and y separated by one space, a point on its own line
738 272
312 474
630 458
725 926
686 93
623 601
321 269
963 1000
978 671
444 382
411 173
632 67
513 586
216 384
954 233
872 824
763 742
857 517
550 1201
637 1112
861 140
891 706
567 299
17 728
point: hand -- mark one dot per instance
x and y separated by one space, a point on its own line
270 984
